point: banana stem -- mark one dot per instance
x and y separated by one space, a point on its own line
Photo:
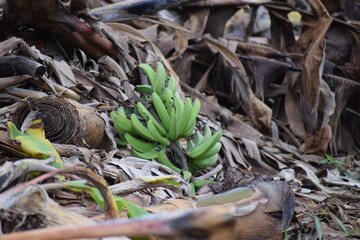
181 155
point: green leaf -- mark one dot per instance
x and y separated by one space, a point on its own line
120 203
329 157
132 209
192 192
341 224
186 175
80 185
199 183
338 163
318 227
160 179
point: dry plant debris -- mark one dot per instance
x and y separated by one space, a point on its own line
280 78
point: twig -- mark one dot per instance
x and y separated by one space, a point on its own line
210 173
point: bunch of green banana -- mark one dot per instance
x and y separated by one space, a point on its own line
203 150
168 104
164 118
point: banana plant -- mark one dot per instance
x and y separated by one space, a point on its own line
163 127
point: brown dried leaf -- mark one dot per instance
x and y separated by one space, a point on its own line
259 112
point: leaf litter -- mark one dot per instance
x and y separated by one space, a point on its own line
279 78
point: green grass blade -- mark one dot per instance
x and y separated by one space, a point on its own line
318 227
341 224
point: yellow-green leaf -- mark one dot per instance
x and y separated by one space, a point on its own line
34 143
160 179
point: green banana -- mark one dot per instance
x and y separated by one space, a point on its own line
163 159
189 145
160 78
150 73
207 132
156 134
210 152
173 130
161 110
205 162
198 138
192 119
185 116
145 89
192 191
140 128
172 84
179 109
121 122
205 145
115 118
178 100
144 112
168 99
121 111
187 133
138 144
152 154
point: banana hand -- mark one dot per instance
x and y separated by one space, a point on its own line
205 162
205 145
189 128
210 152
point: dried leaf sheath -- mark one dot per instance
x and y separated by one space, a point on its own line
65 121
